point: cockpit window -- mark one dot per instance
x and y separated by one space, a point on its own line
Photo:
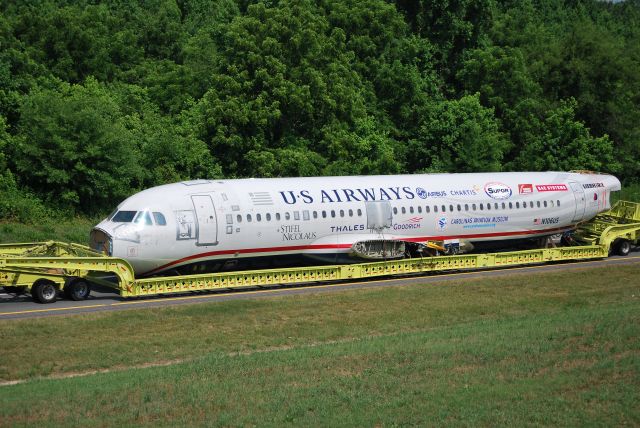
124 216
159 218
143 217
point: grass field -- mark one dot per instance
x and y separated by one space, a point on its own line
540 349
74 229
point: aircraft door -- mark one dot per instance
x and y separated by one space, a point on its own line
207 222
379 215
578 193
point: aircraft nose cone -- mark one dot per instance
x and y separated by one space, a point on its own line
100 240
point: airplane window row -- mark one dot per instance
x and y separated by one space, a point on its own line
477 207
295 215
307 215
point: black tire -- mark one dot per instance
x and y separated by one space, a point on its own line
44 291
14 289
77 289
623 247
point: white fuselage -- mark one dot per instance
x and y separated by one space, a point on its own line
170 226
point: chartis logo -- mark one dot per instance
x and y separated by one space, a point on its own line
497 190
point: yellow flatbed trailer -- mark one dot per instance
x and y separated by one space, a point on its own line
46 268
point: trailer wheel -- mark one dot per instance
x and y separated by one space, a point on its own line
77 289
44 291
623 247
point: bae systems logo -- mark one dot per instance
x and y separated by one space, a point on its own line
551 187
497 190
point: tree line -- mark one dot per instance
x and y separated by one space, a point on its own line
100 99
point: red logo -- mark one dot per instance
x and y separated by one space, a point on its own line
551 187
524 189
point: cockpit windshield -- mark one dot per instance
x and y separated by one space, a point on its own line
124 216
143 217
139 217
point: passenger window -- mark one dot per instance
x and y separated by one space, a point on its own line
333 214
268 216
395 210
359 212
510 205
427 209
489 206
481 207
420 210
249 218
411 210
473 207
459 208
404 211
324 214
496 206
444 209
341 213
287 216
258 217
278 216
466 207
538 204
435 208
350 213
143 217
450 208
159 218
315 214
239 218
545 204
504 206
517 204
558 202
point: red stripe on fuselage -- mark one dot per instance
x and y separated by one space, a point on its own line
338 246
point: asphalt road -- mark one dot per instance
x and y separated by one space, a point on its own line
23 306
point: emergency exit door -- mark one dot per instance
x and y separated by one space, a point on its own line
207 222
581 202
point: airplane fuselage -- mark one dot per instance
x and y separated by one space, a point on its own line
175 225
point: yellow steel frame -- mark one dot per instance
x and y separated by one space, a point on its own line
24 271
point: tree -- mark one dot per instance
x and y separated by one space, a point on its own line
73 148
458 135
567 144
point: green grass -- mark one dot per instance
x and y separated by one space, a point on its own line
544 349
48 229
628 193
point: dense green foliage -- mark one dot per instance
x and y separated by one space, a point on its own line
98 100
